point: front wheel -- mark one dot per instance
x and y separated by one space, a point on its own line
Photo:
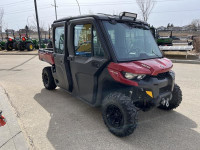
176 99
119 114
48 79
9 46
15 45
20 46
29 46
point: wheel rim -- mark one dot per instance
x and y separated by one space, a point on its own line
114 116
31 46
45 79
9 46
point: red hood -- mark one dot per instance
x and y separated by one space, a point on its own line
151 66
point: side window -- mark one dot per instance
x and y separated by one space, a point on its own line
59 40
86 41
82 40
112 35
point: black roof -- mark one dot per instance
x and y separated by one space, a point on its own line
100 17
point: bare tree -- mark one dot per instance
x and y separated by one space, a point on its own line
146 7
1 18
33 25
195 24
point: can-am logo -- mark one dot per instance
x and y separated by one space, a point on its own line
161 66
146 66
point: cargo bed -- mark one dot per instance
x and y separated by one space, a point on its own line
46 55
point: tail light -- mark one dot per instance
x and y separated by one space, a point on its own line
10 39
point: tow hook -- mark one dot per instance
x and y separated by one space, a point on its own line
165 102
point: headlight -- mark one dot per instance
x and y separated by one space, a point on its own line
131 76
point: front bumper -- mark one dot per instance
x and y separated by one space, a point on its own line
161 89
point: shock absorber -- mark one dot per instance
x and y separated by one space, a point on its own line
2 119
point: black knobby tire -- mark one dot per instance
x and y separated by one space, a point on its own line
20 47
29 46
48 79
15 46
119 114
9 46
176 99
2 48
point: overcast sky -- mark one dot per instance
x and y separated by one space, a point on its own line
18 13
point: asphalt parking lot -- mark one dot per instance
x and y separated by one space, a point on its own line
56 120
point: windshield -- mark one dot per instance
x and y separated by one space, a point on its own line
132 42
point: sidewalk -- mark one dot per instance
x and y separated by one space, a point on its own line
5 52
11 136
185 61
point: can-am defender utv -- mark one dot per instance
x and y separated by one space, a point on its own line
112 62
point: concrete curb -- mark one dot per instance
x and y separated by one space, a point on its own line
4 52
16 54
11 134
185 61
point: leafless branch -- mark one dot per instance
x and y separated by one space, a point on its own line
146 7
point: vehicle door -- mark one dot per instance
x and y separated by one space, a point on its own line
60 50
87 57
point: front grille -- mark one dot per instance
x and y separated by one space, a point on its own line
164 89
160 76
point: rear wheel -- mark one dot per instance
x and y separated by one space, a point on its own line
176 99
15 46
20 47
29 46
48 79
9 46
119 114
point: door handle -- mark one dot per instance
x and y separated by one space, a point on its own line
70 58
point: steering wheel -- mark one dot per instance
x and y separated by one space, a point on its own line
132 47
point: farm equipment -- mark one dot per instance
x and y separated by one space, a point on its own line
2 45
164 40
112 62
2 119
25 43
35 43
10 40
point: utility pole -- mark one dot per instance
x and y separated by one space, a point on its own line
55 8
38 27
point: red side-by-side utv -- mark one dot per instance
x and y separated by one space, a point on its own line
112 62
